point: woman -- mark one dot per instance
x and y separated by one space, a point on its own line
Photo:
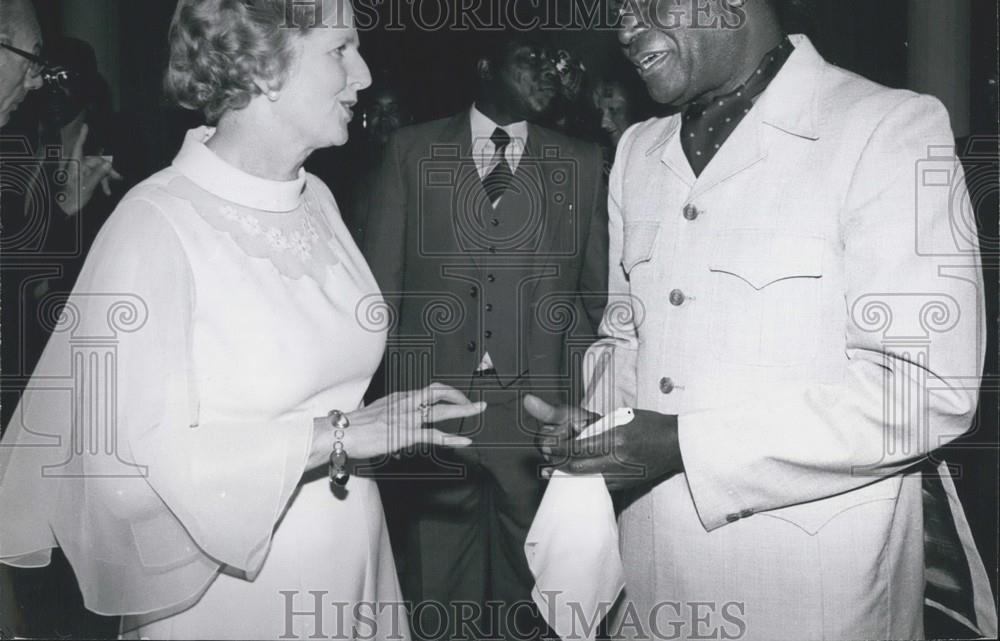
182 419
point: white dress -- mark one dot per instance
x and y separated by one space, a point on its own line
163 440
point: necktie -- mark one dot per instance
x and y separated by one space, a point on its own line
707 123
497 181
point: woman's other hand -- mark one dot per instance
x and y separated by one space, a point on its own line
397 422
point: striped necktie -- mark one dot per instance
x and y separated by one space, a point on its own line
497 181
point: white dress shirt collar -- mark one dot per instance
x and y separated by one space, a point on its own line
482 147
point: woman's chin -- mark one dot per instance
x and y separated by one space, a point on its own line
340 136
334 139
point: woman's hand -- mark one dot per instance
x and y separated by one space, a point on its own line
397 422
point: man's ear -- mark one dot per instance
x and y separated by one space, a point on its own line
483 69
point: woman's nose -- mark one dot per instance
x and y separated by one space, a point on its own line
361 77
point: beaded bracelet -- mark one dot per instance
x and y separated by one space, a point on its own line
338 457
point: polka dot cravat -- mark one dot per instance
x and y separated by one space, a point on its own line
707 123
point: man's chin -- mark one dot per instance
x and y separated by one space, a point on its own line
541 109
663 93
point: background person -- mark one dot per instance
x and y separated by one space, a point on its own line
612 101
19 74
41 196
518 232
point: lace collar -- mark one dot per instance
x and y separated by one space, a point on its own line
201 166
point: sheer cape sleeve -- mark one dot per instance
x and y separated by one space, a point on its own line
106 455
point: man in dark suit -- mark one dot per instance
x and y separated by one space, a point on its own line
488 236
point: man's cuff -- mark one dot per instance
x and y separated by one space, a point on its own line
608 386
703 449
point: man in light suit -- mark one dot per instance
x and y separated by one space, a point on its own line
488 237
803 326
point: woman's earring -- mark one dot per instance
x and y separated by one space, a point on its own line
272 96
736 3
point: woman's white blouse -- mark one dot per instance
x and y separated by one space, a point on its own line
169 421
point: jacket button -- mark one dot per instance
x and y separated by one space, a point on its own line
666 385
488 334
489 307
473 291
677 298
490 278
493 249
495 222
471 346
691 212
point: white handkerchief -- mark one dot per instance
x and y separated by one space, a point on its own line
572 548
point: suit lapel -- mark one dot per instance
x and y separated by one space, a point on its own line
471 210
550 198
672 154
787 107
453 219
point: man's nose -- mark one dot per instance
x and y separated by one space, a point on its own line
33 81
549 71
631 24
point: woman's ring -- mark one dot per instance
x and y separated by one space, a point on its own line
425 412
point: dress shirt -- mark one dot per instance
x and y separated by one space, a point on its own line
483 148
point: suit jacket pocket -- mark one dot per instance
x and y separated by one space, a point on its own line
813 516
639 241
765 297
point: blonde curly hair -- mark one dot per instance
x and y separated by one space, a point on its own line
220 48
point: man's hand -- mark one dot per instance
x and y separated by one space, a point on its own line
639 453
83 175
559 424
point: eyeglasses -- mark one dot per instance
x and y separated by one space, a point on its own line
53 75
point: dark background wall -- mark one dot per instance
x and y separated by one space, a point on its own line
431 67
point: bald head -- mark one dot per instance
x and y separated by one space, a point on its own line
19 29
16 15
